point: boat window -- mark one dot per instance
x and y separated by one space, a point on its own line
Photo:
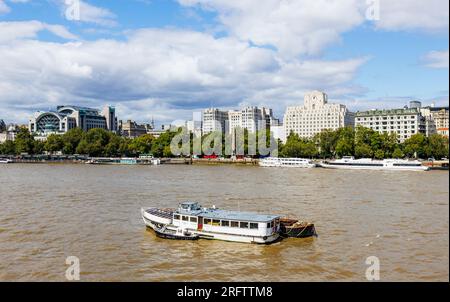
253 225
185 218
225 223
268 225
216 222
207 221
234 224
193 219
244 225
176 217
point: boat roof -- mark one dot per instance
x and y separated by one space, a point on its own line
234 215
193 208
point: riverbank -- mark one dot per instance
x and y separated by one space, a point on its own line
433 165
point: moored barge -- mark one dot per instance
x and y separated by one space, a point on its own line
191 221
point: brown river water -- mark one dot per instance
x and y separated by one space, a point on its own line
50 212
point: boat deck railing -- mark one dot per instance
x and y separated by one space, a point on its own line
163 213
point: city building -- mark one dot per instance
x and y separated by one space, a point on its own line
404 122
214 120
2 126
437 118
68 117
9 133
251 118
316 115
278 132
131 129
195 125
164 128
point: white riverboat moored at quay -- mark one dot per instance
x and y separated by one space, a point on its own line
349 162
5 161
191 221
287 162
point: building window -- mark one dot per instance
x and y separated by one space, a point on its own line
243 225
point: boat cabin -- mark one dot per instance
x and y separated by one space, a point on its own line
191 216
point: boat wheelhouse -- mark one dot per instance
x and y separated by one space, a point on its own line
349 162
287 162
191 221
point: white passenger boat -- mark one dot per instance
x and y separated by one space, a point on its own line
286 162
349 162
5 161
190 221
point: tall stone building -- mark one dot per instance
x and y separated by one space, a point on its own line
316 115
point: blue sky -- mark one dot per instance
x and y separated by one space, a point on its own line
167 58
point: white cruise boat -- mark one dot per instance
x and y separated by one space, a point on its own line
349 162
5 161
190 221
286 162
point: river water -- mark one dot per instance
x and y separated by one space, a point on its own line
50 212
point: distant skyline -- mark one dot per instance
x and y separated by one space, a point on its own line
167 58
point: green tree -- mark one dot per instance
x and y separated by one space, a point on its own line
437 146
326 141
346 142
379 154
38 147
398 153
54 143
113 148
94 142
24 141
298 147
71 139
389 142
142 144
167 152
8 148
363 150
159 145
415 146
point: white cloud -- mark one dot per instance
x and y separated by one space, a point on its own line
430 15
184 71
4 8
436 59
91 14
304 27
294 27
10 31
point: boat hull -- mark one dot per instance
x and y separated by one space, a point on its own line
298 232
378 168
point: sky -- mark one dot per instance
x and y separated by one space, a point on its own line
164 59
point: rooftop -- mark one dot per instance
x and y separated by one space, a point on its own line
193 208
240 216
388 111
